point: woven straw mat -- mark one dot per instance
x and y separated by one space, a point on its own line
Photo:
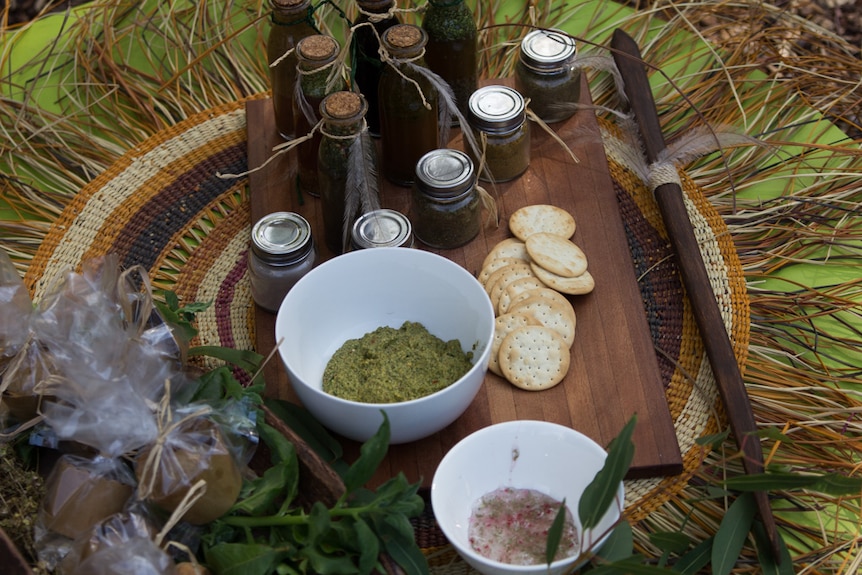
163 205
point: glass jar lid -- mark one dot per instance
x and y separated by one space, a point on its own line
382 228
496 109
547 50
281 237
445 173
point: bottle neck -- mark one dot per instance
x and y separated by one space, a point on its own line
302 13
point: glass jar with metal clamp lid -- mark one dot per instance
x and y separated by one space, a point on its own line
498 114
445 200
545 73
282 251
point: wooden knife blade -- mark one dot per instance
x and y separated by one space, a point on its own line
717 344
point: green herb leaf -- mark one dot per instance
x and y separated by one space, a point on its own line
602 490
371 454
714 440
731 534
242 559
369 547
308 428
672 541
830 484
619 544
696 559
405 552
555 533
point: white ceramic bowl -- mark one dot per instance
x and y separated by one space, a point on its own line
355 293
547 457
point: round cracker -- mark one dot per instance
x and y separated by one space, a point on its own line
582 284
503 326
534 358
547 293
510 274
557 255
550 314
520 266
530 220
493 266
508 248
518 287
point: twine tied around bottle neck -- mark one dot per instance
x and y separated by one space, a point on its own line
394 62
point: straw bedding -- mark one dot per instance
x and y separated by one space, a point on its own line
783 217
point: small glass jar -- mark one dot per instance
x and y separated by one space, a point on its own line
545 73
446 204
282 251
382 229
499 116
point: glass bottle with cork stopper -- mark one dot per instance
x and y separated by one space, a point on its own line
316 56
407 104
344 149
445 201
452 46
292 20
545 73
499 116
375 17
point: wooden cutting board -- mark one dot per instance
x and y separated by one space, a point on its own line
614 370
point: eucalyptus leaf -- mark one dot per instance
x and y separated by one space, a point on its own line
732 533
696 559
242 559
555 533
602 490
714 440
248 360
830 484
371 454
764 553
630 566
619 544
671 541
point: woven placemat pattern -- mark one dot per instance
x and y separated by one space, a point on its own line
163 205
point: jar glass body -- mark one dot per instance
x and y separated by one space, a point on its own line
368 65
407 128
446 223
270 283
289 25
452 46
546 89
507 154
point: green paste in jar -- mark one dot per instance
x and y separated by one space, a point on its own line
389 365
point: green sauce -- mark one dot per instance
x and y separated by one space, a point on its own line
389 365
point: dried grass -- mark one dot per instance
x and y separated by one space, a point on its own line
756 67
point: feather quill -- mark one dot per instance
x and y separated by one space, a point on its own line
361 193
301 101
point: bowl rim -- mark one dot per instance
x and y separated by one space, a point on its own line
375 253
559 563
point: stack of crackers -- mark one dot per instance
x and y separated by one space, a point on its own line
528 277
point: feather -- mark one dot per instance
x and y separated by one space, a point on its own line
704 140
361 194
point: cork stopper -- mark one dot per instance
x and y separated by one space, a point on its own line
317 47
288 3
403 36
342 104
